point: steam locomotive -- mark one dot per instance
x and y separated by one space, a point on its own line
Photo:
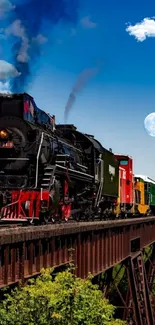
52 172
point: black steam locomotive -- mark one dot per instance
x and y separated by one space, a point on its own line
51 172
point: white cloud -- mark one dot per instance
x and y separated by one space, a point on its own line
7 70
142 30
5 7
4 87
86 22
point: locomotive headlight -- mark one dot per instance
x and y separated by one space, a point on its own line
3 134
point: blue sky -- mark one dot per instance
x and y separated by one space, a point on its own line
114 103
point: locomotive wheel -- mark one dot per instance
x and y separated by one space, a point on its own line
53 219
77 216
31 222
46 219
49 218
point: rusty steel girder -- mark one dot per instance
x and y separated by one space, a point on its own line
136 304
96 247
138 283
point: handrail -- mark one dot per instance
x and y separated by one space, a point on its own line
38 154
99 192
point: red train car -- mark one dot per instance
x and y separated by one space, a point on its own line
126 191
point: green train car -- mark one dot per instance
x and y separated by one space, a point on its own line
110 169
106 168
111 174
149 192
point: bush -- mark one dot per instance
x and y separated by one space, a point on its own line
66 300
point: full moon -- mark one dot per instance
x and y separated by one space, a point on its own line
149 124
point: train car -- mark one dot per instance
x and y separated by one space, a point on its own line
111 174
141 196
126 162
149 192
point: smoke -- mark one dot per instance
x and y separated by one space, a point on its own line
81 82
24 28
5 7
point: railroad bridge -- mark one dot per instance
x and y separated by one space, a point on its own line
96 247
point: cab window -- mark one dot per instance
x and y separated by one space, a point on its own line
123 162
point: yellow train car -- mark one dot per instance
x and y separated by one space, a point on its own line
140 198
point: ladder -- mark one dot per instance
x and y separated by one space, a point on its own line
140 292
48 177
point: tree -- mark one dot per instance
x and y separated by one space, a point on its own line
64 300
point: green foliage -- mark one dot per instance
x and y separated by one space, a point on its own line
118 273
147 253
66 300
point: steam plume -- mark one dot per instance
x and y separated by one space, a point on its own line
24 27
81 82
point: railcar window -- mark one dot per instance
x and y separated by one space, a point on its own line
124 162
146 186
137 196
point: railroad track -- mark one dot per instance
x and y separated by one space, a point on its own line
14 224
6 224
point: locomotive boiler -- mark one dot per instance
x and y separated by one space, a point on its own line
48 171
